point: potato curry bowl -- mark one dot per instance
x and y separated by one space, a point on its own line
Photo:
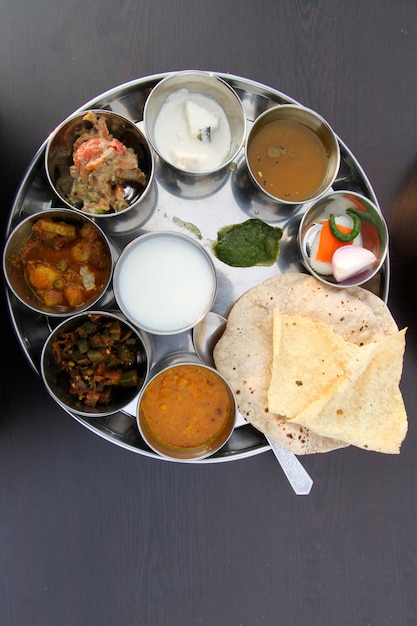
99 162
186 411
58 262
95 363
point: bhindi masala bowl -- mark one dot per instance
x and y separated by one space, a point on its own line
95 363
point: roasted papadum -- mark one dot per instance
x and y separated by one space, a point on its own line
341 322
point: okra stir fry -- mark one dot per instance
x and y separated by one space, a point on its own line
98 356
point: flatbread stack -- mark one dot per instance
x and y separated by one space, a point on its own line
316 368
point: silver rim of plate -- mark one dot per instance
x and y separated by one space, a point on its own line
198 207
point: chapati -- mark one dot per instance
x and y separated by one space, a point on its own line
244 354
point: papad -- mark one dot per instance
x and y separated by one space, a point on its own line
369 412
311 363
244 352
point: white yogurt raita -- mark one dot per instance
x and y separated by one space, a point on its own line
164 283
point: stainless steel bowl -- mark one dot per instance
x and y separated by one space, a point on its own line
59 157
14 270
166 448
310 120
374 232
206 84
57 381
164 282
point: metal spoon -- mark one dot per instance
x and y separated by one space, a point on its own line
297 476
205 336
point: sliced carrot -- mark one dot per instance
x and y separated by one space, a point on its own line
328 243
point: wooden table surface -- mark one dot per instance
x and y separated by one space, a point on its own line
91 534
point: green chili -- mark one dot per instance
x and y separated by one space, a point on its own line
346 236
364 216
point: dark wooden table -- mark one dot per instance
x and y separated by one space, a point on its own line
91 534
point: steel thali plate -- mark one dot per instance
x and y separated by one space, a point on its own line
199 207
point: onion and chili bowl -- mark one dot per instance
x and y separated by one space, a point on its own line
58 262
186 411
99 162
343 239
95 363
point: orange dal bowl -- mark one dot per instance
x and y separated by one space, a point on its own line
186 412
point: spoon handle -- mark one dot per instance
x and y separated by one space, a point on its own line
297 476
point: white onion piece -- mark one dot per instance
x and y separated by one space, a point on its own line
350 260
322 267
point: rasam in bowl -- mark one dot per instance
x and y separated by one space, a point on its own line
292 154
187 411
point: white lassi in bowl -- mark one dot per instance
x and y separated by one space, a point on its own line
164 282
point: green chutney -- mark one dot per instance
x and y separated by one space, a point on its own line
247 244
